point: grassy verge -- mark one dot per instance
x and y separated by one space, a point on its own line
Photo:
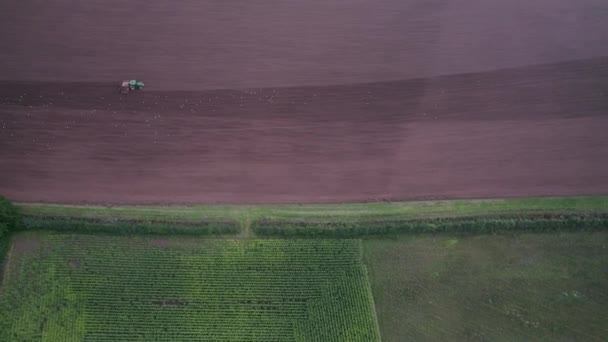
246 214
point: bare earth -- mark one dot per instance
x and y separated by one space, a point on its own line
444 100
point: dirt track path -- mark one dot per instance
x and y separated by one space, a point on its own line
487 99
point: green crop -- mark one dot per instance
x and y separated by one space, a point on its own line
73 287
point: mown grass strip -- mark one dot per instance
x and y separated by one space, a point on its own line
130 226
358 219
473 225
354 211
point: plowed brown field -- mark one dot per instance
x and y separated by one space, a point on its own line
318 102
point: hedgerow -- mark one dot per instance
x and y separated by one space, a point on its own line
9 217
124 226
10 220
529 223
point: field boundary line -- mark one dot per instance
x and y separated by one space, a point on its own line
5 266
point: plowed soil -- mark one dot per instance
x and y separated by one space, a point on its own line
302 102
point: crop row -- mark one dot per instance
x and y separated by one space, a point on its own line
255 290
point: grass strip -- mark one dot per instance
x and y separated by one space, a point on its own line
352 211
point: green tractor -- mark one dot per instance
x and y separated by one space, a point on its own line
129 85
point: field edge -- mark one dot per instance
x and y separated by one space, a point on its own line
250 217
413 209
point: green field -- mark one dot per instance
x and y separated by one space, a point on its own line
488 270
70 287
543 287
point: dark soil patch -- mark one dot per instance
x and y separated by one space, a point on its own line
164 243
23 246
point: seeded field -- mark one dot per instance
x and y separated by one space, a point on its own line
69 287
510 287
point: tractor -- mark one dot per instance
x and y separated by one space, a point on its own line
128 86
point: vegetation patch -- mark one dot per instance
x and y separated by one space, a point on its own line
350 211
74 287
10 220
473 225
509 287
131 226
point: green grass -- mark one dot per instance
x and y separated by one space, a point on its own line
490 287
71 287
333 211
246 214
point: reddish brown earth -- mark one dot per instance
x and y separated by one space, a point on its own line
492 98
516 132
